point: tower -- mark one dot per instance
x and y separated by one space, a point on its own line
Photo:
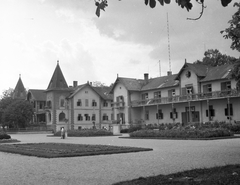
56 106
19 91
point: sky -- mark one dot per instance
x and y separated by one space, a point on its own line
128 39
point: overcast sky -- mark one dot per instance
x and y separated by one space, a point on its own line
128 39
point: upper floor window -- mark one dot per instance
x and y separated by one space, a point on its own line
157 94
171 93
120 99
94 103
145 96
105 104
189 90
62 102
225 86
79 103
86 102
207 88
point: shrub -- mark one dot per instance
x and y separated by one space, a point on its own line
183 133
85 133
4 136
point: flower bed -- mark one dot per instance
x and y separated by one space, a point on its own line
183 133
86 133
53 150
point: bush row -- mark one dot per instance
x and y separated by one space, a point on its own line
235 128
183 133
87 132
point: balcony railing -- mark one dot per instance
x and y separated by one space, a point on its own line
119 104
186 98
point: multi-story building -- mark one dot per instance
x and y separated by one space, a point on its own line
198 93
37 98
76 107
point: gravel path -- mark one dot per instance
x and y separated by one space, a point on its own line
168 156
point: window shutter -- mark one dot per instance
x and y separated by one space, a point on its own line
184 91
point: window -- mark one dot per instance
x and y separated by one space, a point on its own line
159 114
189 90
79 118
86 102
94 103
112 116
61 116
145 96
87 117
207 88
93 117
211 112
120 99
174 114
86 92
79 103
147 115
225 86
105 104
62 102
105 117
157 94
192 109
229 110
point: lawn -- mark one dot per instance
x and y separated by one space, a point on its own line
54 150
224 175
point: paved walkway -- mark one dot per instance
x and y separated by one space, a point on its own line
168 156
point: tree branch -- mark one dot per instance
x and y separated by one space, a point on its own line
201 13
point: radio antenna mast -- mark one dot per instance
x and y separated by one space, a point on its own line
169 54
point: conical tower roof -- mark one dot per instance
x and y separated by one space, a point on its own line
57 81
19 91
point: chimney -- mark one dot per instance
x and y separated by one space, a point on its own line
75 83
146 77
169 73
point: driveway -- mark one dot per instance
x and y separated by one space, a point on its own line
168 156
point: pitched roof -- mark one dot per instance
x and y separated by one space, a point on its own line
161 82
103 92
218 72
19 91
38 94
131 84
199 69
57 81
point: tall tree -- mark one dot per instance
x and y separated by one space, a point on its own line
233 31
213 57
18 114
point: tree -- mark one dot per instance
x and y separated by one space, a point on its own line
18 114
233 31
213 57
98 84
5 102
102 4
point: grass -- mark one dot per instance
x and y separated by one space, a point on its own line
224 175
55 150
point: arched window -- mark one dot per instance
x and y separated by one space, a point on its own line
62 116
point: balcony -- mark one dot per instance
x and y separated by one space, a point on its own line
186 98
118 105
